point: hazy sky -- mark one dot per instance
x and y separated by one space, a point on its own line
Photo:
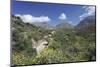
51 13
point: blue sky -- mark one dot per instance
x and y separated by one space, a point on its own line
52 12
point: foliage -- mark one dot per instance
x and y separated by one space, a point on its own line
67 45
49 56
21 59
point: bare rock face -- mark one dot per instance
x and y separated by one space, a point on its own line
43 43
40 45
34 43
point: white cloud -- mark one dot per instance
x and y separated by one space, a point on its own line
62 16
31 19
89 10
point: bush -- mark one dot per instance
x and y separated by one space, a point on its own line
49 56
21 59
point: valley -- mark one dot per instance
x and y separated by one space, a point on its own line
44 44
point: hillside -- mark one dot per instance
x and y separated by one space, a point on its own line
90 20
44 25
64 25
23 33
32 44
87 27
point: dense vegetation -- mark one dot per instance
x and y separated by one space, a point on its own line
68 45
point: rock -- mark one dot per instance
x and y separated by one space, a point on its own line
40 45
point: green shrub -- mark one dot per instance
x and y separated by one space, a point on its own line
50 56
21 59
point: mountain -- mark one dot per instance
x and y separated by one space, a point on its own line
90 20
44 25
87 26
23 33
62 44
64 25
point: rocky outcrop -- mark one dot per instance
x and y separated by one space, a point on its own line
43 43
39 45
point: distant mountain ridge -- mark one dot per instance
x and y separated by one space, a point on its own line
90 20
87 26
44 25
64 25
